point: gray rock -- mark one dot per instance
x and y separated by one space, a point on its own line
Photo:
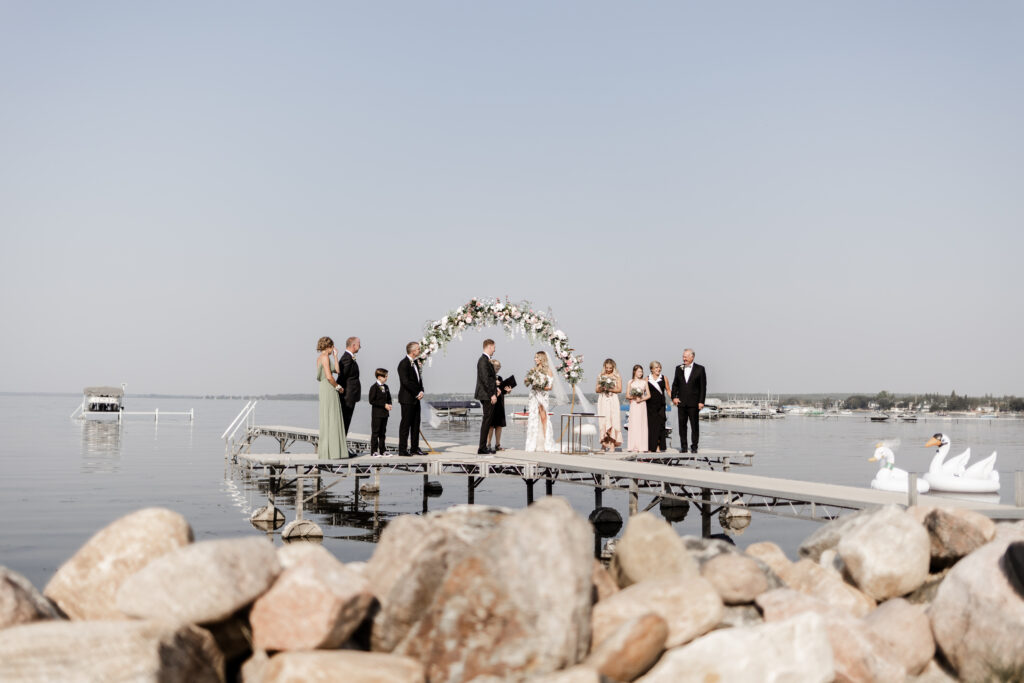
691 607
631 649
650 548
201 583
793 650
316 603
868 549
903 632
20 602
827 536
342 665
517 604
109 651
86 585
978 617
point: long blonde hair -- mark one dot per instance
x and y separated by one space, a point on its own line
543 361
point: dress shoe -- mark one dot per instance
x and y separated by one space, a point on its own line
493 450
403 454
693 449
483 451
418 452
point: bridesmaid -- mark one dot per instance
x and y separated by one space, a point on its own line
638 394
609 386
332 444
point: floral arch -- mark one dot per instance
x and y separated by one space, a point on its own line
516 318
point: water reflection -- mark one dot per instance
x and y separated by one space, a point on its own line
101 446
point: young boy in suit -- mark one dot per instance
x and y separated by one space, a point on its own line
380 399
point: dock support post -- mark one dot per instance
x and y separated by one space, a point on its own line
355 494
1018 488
549 486
471 492
426 478
634 497
911 489
298 497
598 495
705 513
529 490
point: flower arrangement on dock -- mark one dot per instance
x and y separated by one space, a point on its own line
515 318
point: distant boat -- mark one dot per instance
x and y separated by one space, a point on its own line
880 417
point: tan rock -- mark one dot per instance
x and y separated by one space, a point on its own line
574 674
903 632
796 649
740 615
1010 531
650 548
736 577
518 604
342 665
201 583
868 553
810 578
86 585
316 603
956 532
604 584
255 667
977 617
690 607
20 602
771 554
109 651
631 649
934 673
827 535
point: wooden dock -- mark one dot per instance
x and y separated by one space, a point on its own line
673 476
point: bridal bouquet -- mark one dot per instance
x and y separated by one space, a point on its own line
606 382
536 379
635 392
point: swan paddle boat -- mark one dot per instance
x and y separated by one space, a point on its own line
954 474
889 477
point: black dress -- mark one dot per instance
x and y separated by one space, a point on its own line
498 412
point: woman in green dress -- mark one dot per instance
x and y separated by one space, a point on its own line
332 444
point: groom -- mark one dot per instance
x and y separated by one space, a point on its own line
688 392
486 393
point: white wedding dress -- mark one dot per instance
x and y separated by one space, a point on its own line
534 438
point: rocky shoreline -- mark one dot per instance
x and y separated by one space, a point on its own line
488 594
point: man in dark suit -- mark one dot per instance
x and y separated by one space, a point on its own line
689 389
486 393
348 378
410 393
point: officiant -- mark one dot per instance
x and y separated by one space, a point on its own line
498 414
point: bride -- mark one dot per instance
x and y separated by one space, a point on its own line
538 425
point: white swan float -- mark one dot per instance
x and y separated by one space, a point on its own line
889 477
955 475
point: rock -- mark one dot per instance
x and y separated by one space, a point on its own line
905 631
978 617
825 584
886 553
109 651
703 550
793 650
574 674
233 637
20 602
740 615
518 604
631 649
955 533
342 665
316 603
925 593
737 578
934 673
85 586
854 650
691 607
649 548
770 554
201 583
827 536
1010 531
255 667
604 584
292 554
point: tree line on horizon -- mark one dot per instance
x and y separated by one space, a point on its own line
938 402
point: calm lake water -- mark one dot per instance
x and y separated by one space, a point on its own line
65 479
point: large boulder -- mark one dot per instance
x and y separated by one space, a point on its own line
771 555
977 617
86 585
691 607
827 536
631 649
109 651
793 650
887 554
518 604
341 665
812 579
201 583
20 602
650 548
737 577
902 630
315 603
954 533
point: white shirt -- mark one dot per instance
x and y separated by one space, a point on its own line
687 369
413 361
349 353
654 382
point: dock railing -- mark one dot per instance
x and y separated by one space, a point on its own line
245 418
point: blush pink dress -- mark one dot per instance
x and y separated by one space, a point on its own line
637 442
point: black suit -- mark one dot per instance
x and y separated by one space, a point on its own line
348 378
690 395
379 397
486 387
410 385
656 416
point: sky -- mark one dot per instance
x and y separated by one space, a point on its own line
814 196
